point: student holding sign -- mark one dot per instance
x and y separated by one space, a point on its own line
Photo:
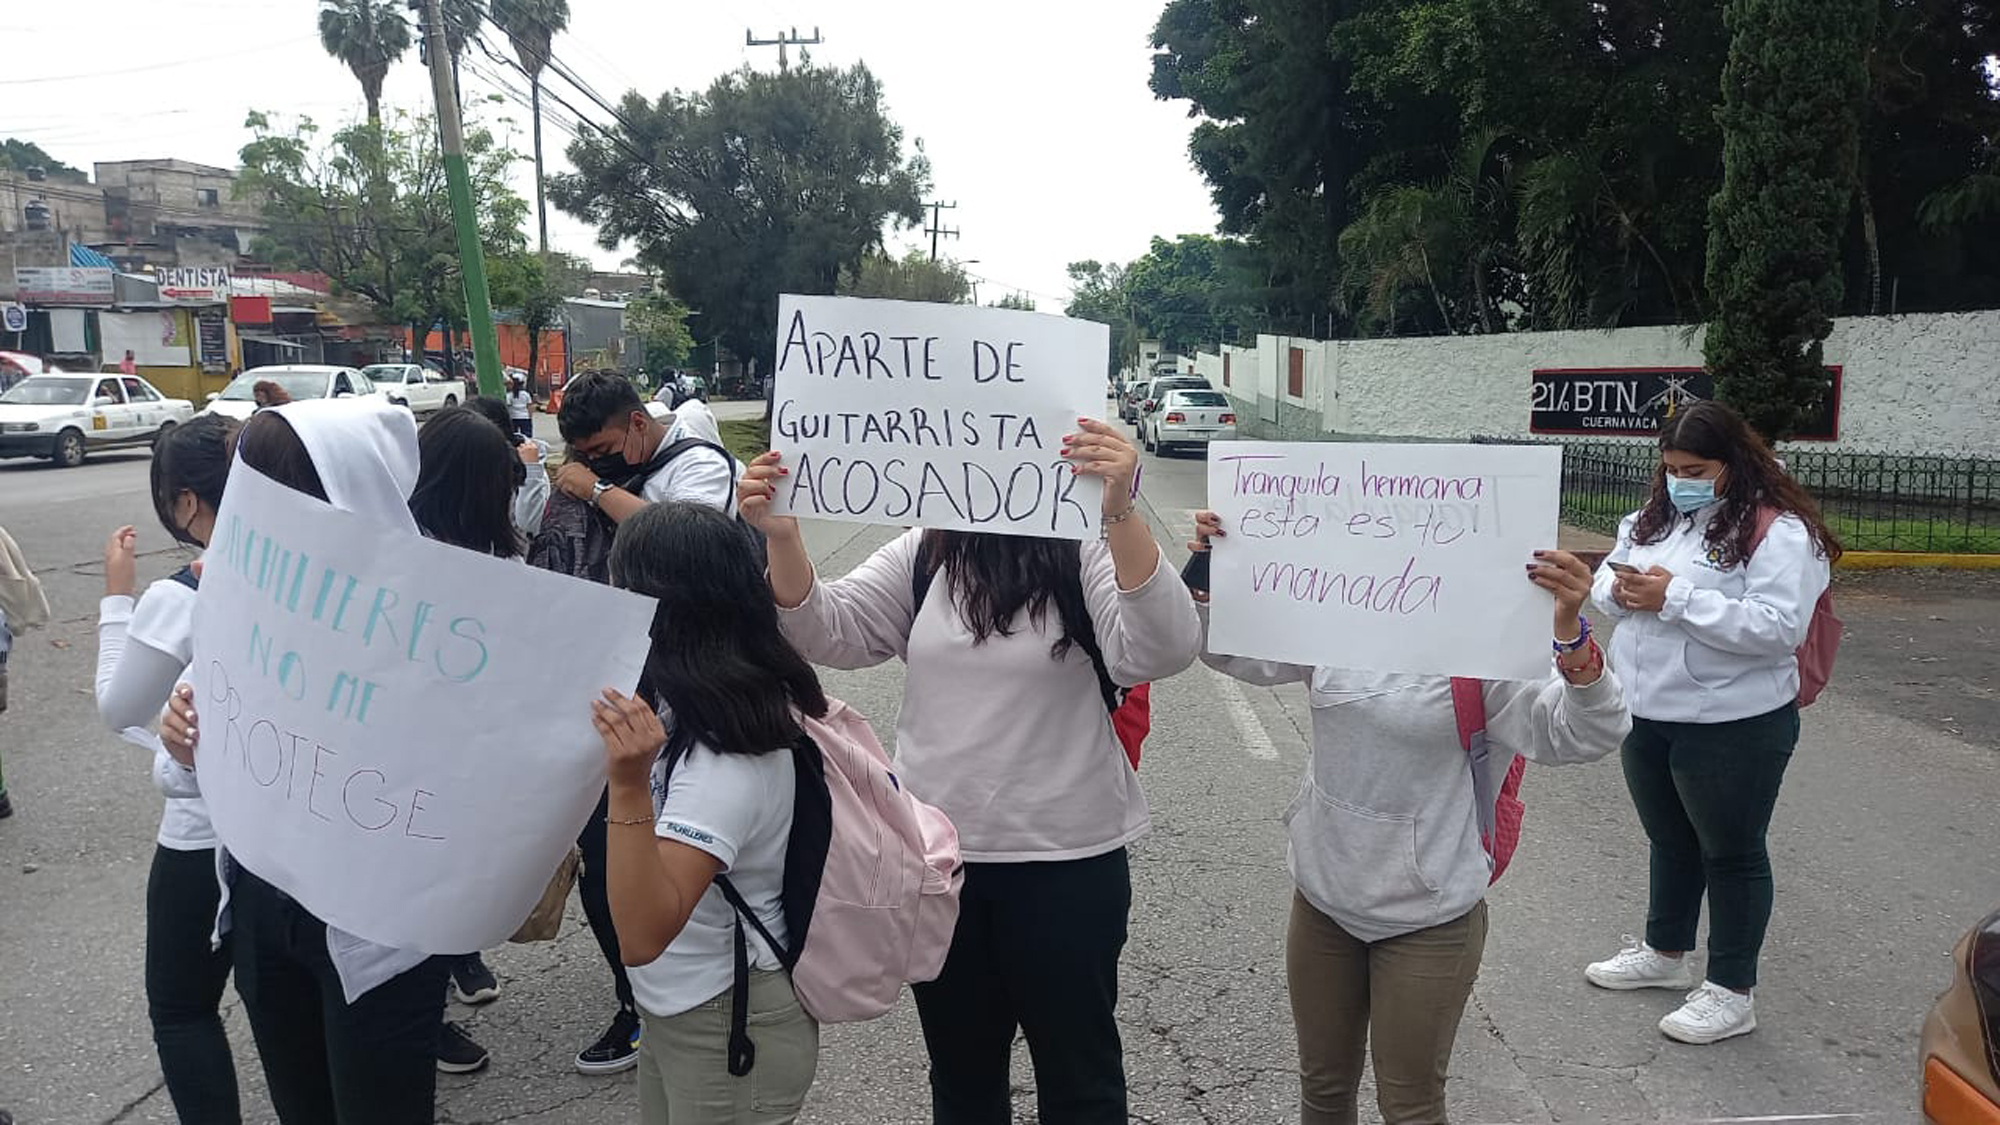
1715 581
1388 919
347 1029
1004 728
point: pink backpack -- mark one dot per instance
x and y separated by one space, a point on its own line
871 885
1501 813
1823 634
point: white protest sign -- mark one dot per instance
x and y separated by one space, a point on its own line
1387 558
390 731
938 416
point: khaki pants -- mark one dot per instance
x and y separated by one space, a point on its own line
1408 991
684 1074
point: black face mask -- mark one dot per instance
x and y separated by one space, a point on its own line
612 467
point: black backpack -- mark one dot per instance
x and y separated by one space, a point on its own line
805 860
575 538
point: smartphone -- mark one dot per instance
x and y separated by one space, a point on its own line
1622 568
1195 574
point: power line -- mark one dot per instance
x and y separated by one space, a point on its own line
782 42
174 65
936 229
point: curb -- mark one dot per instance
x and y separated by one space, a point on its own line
1915 560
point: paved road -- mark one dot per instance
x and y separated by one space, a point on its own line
1878 842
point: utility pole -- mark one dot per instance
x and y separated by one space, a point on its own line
935 229
471 259
782 42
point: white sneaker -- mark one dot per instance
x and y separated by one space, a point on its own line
1712 1013
1639 965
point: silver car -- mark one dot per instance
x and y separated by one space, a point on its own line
1188 418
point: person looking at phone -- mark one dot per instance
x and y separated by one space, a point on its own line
1713 583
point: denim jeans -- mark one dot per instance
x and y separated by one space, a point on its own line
1705 793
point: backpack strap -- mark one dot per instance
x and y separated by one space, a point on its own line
1084 632
185 576
1468 704
667 453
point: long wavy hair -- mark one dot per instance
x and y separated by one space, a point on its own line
995 577
1752 480
465 484
719 661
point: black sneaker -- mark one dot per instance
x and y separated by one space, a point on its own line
457 1053
617 1050
473 981
6 810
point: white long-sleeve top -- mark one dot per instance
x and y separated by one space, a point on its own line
1384 831
531 499
1014 745
144 648
1723 647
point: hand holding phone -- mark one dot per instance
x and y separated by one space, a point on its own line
1622 568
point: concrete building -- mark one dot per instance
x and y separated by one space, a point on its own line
173 213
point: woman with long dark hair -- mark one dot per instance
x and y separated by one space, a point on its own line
144 647
1714 583
1004 727
702 784
347 1029
465 498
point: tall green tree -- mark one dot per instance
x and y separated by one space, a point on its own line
531 25
762 184
660 323
20 156
533 287
1792 93
366 36
1097 292
1183 293
328 210
912 277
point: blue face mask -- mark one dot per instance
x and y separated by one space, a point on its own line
1690 496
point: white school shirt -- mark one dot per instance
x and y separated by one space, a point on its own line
143 650
697 476
1723 647
693 418
1014 745
737 808
531 499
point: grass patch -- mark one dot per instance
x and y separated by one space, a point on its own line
747 438
1916 532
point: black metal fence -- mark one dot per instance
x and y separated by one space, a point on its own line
1873 501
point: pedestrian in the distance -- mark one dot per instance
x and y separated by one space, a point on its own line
1388 914
1709 620
521 408
703 784
129 365
1004 727
145 645
23 606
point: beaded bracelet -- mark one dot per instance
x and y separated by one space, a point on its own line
1564 648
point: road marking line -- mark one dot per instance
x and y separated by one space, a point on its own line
1249 728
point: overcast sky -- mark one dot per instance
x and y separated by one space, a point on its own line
1035 113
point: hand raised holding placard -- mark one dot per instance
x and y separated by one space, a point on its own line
757 491
1100 451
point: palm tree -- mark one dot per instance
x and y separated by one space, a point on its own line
530 25
366 35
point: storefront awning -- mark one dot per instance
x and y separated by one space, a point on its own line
273 341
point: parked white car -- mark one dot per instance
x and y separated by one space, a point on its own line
1188 417
64 417
419 389
300 380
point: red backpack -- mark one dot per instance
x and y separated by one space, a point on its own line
1500 813
1131 708
1823 634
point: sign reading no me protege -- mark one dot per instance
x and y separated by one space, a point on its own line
937 416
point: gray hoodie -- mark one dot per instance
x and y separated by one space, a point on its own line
1384 834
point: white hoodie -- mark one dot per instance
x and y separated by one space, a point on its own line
1722 648
365 451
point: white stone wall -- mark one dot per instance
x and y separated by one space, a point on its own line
1925 383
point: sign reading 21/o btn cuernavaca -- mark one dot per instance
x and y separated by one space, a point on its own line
1633 401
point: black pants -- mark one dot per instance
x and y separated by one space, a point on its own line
597 901
1037 950
1704 792
184 983
525 427
372 1062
